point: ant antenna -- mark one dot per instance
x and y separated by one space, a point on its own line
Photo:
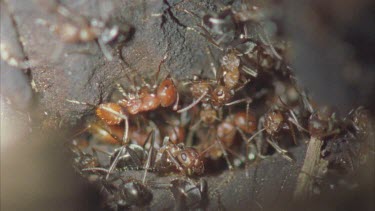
159 68
193 103
213 67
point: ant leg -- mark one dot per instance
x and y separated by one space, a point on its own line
194 103
159 68
125 141
104 49
254 135
242 85
213 67
280 150
247 100
230 166
134 157
294 121
122 91
192 129
243 136
115 161
102 151
293 133
175 106
250 71
150 155
175 162
96 169
267 42
209 39
206 33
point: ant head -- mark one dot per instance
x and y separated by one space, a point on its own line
230 61
221 95
191 161
273 122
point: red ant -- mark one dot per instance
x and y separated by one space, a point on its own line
172 157
220 93
77 29
272 123
150 98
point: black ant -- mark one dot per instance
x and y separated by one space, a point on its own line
127 194
188 194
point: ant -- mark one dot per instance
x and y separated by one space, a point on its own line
220 93
188 194
78 29
360 121
84 160
242 122
273 123
112 114
128 194
175 128
151 98
171 157
323 123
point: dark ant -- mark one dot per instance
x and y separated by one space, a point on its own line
342 152
323 123
344 147
188 194
130 159
128 194
360 121
84 160
76 29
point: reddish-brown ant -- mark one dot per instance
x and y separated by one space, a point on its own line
272 123
172 157
216 93
150 98
76 28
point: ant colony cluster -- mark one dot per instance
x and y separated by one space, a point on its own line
251 110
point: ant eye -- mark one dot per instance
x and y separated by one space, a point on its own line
183 156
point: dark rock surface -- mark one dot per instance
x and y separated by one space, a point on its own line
80 71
